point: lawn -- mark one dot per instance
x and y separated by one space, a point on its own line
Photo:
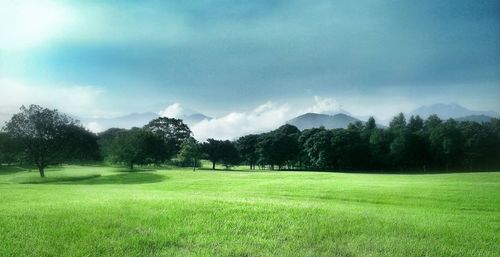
102 211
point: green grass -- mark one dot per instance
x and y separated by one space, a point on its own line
102 211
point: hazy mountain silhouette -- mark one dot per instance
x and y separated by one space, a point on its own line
316 120
136 120
446 111
475 118
194 118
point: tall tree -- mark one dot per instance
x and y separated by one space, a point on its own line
398 122
40 132
317 147
172 131
105 141
137 146
446 143
9 149
190 153
230 155
214 150
80 144
246 146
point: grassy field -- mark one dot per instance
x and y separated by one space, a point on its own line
98 211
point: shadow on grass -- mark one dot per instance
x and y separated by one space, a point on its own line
229 170
130 178
6 170
136 170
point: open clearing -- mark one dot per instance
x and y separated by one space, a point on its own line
96 211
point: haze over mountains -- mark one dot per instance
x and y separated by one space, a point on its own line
340 119
316 120
136 120
446 111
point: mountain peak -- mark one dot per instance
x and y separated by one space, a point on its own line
446 111
316 120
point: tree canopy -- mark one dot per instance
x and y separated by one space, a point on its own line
137 146
46 137
172 131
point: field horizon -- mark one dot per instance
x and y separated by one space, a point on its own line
111 211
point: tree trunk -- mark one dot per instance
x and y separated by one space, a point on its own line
131 166
41 169
213 165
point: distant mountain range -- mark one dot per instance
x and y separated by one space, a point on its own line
455 111
342 120
475 118
316 120
305 121
136 120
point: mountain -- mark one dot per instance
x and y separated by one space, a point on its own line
475 118
127 121
316 120
194 118
446 111
135 120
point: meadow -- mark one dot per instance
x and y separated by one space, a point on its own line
110 211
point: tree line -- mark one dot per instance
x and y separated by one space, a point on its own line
44 137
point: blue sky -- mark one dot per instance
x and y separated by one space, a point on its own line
105 58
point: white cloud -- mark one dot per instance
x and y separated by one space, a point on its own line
324 105
94 127
173 111
75 100
265 117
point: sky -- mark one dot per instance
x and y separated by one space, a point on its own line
248 62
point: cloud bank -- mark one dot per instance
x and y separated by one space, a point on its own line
173 111
74 100
264 117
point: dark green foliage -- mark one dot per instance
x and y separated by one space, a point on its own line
105 141
404 145
279 148
172 131
190 153
80 144
47 137
9 149
316 148
220 151
44 137
137 146
246 146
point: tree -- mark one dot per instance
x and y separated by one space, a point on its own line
379 146
80 145
415 124
370 124
172 131
318 148
412 144
286 146
230 154
446 143
105 141
432 122
9 149
347 148
398 122
137 146
220 151
305 143
190 153
246 146
41 133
